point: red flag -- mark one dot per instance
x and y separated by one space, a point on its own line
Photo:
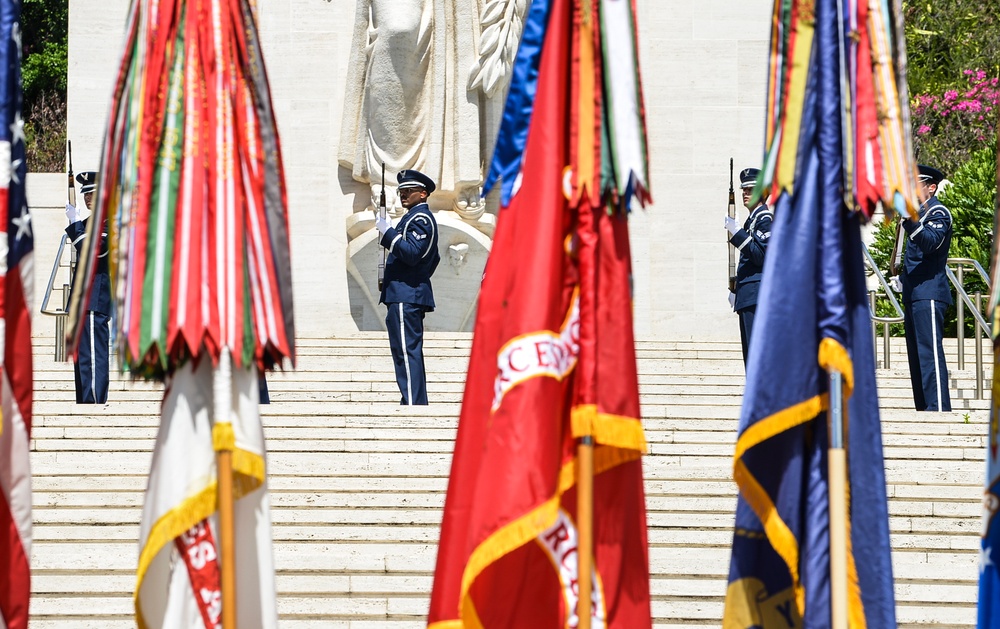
193 194
552 359
15 405
869 180
16 273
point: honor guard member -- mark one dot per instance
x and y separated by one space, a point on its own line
751 241
92 367
926 294
406 288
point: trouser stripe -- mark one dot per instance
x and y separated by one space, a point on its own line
937 375
406 356
93 357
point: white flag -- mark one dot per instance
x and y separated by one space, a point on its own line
178 577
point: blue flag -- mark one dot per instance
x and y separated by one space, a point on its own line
989 576
513 135
812 317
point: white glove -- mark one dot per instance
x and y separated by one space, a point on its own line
731 225
895 284
381 223
732 300
72 213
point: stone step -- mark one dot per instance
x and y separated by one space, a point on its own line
358 483
53 504
432 439
447 387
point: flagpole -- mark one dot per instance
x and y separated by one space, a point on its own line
223 388
837 468
585 527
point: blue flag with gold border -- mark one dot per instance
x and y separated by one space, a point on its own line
989 552
989 555
812 317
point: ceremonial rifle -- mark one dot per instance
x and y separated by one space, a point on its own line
732 215
897 249
381 212
71 199
71 193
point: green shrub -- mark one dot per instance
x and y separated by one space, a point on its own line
948 128
44 35
971 199
945 38
953 53
45 133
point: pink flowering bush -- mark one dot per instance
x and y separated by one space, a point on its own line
950 127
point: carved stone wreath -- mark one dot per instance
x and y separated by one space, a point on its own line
502 22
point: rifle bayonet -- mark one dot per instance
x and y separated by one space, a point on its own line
71 191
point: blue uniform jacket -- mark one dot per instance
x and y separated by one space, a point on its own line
100 293
926 254
752 243
413 257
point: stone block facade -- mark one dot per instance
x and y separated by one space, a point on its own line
704 77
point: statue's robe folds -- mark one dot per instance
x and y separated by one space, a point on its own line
407 102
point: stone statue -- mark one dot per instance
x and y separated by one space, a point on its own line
426 84
423 93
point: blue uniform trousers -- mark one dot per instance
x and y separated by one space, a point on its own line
924 327
405 324
265 396
746 324
92 369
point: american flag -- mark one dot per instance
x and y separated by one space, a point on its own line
16 260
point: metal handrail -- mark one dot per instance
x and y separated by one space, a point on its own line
975 265
961 264
52 279
61 312
876 320
885 288
982 326
976 310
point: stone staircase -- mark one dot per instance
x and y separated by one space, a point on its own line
357 485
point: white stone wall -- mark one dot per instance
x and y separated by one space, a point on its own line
47 197
704 74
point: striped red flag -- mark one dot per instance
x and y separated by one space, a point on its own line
192 189
16 259
875 115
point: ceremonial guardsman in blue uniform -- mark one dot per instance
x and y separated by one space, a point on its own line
93 367
751 241
406 288
926 295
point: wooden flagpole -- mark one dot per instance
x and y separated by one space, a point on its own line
837 485
585 527
223 386
226 533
